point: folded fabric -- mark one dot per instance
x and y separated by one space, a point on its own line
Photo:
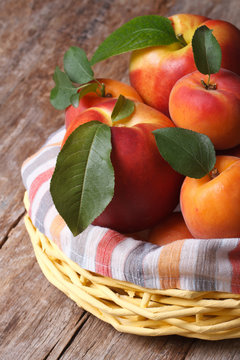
193 264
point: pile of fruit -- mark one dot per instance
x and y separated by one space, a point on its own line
127 149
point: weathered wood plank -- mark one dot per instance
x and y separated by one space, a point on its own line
219 350
104 343
215 9
35 316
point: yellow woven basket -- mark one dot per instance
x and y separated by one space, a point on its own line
134 309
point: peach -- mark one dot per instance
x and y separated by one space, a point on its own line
146 187
170 229
211 205
113 89
215 113
154 70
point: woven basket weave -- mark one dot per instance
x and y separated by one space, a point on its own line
133 309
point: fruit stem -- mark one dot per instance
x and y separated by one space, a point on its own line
214 173
181 40
207 85
103 89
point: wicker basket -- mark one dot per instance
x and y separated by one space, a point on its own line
134 309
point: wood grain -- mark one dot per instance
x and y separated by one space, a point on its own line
109 344
37 321
220 350
34 314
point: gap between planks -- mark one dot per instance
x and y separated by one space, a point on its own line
80 323
12 227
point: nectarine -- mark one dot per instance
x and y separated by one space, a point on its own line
146 187
154 71
113 89
213 112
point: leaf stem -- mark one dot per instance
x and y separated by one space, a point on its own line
208 82
102 87
181 40
214 173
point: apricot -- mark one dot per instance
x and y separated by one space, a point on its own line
170 229
211 205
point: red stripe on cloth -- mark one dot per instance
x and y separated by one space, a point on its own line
38 181
104 252
234 257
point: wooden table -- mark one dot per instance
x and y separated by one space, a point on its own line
37 321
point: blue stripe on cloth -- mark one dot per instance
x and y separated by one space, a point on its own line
133 267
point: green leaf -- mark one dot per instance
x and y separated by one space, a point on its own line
85 89
77 66
122 109
138 33
61 94
206 50
83 181
188 152
75 100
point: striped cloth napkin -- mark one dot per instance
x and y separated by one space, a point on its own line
193 264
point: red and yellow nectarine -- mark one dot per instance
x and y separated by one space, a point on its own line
215 113
146 187
154 71
113 89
